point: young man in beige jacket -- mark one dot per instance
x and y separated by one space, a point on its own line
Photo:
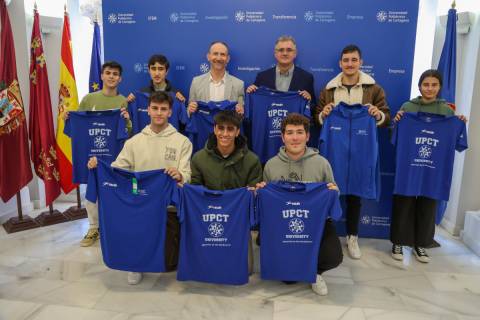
353 86
158 145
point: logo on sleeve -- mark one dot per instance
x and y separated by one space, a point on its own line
109 184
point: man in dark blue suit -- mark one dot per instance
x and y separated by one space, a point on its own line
285 76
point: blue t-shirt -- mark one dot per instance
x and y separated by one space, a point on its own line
94 133
425 150
200 123
349 142
292 218
138 110
266 109
215 233
132 216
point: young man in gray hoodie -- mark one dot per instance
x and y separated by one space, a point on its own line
298 163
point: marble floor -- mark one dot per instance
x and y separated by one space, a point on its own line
45 274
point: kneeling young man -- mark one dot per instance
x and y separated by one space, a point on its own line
226 162
158 145
296 162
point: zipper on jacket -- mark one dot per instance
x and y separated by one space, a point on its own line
349 151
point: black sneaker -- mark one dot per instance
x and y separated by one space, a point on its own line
421 254
397 252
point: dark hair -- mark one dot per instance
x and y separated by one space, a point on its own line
430 73
221 42
112 65
351 48
295 119
160 97
227 116
160 58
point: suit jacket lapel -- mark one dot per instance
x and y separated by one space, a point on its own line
206 88
272 78
293 83
228 87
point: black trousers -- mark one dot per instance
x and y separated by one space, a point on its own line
353 206
413 221
330 255
172 240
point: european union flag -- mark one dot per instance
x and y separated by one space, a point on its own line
448 59
95 82
447 66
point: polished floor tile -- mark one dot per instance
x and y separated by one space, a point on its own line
45 274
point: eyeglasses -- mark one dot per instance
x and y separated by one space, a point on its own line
287 50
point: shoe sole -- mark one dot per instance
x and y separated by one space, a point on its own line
353 257
418 257
88 244
397 257
319 293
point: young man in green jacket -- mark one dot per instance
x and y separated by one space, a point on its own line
225 162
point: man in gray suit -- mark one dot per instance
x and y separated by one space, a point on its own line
218 84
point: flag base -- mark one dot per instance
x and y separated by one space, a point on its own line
75 213
48 218
16 224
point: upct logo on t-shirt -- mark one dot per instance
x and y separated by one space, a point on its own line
216 228
426 148
297 219
276 116
99 136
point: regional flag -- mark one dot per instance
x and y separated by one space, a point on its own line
15 170
95 82
42 137
67 101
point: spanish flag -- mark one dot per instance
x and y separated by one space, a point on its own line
67 101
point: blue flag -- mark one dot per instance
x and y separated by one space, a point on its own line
448 60
448 68
95 82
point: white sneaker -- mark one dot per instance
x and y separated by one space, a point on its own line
421 254
320 286
353 248
397 252
134 277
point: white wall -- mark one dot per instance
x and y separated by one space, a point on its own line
466 174
424 42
